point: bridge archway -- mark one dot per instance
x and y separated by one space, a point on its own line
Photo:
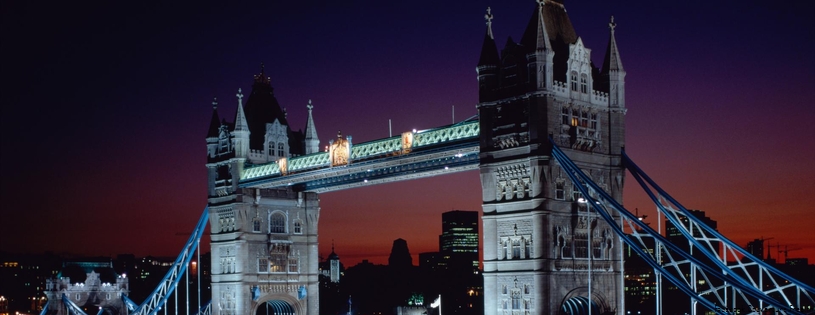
275 307
579 305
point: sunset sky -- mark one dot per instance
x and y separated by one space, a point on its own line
105 108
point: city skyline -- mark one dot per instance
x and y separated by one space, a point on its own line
105 110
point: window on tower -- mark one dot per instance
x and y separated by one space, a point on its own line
271 148
277 223
280 149
560 193
263 265
256 225
584 83
574 81
298 227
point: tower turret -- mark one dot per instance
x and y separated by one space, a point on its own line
541 59
487 68
212 133
240 134
312 143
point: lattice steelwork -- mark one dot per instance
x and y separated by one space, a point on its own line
468 129
702 237
712 287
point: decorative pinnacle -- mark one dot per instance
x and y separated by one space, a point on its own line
309 106
240 96
541 2
611 24
214 103
488 16
262 68
339 134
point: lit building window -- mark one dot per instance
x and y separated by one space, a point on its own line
293 266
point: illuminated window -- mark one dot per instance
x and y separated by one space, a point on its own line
277 223
574 81
584 84
278 260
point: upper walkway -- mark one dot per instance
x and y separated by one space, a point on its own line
416 154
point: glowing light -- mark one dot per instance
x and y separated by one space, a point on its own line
581 200
446 167
366 180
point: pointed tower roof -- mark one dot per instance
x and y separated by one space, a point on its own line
333 255
311 130
612 58
262 108
541 35
214 122
240 117
489 52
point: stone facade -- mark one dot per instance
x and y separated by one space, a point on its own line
540 238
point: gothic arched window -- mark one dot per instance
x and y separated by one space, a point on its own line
271 148
574 81
584 83
280 149
277 223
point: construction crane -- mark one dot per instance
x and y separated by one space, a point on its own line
786 251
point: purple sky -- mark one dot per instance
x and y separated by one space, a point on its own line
105 108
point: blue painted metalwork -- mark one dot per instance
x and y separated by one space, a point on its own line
673 210
584 183
72 308
167 285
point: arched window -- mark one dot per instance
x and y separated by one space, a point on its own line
271 148
280 149
256 225
574 81
277 223
584 83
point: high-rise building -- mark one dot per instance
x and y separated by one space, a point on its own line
459 237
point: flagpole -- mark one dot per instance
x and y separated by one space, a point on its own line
439 304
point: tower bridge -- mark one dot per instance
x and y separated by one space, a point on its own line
548 144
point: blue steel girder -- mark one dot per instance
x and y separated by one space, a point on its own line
443 150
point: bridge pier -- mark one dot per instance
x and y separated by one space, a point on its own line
265 250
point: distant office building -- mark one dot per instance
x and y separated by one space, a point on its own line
756 248
674 235
458 242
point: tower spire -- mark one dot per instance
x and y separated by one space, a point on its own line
489 17
612 59
312 142
613 70
214 122
241 131
542 39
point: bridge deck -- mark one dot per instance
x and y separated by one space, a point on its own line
442 150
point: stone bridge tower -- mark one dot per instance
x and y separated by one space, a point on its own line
263 241
539 235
